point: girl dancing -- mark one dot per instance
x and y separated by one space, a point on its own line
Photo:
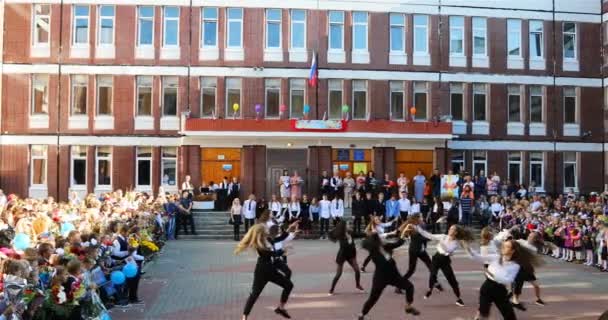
346 253
375 226
527 274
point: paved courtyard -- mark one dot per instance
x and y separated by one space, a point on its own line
204 280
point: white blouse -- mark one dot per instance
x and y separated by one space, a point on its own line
446 246
503 272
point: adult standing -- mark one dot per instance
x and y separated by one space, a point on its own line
466 205
359 210
349 186
325 188
222 195
185 209
481 184
371 182
284 185
402 182
187 185
295 185
335 183
419 184
361 182
404 206
249 207
234 190
436 183
236 218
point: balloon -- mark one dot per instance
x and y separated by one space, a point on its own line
344 108
105 316
21 241
306 108
117 277
258 108
66 227
235 107
413 111
130 270
282 108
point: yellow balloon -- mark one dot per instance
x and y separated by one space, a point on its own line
235 107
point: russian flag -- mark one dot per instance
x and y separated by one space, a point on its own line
313 77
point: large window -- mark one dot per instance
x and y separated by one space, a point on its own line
569 40
106 25
38 167
480 36
537 173
536 39
235 28
170 26
514 166
42 24
297 89
536 104
233 96
457 101
79 95
335 99
514 37
144 96
145 25
169 107
298 29
169 166
397 111
360 31
457 36
457 161
421 34
479 162
80 33
40 94
397 32
273 28
103 166
208 97
514 102
209 26
78 168
420 101
144 167
273 97
479 102
570 114
359 99
336 30
570 172
104 95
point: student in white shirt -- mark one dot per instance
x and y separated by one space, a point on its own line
274 206
337 209
249 211
325 214
294 208
283 212
404 206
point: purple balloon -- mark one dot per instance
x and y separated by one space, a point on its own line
258 108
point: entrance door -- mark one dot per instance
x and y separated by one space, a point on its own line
272 182
284 159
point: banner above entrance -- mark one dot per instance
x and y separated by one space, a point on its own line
319 125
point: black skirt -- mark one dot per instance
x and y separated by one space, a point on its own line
236 219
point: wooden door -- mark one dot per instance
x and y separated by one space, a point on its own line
272 182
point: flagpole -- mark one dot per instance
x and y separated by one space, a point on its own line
317 86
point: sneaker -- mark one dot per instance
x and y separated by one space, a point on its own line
360 317
412 311
540 302
363 270
282 312
460 303
360 288
136 301
428 294
518 306
439 287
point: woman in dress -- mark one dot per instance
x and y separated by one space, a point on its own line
295 185
284 184
361 180
402 182
419 184
346 253
349 186
236 218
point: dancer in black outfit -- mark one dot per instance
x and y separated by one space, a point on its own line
346 253
265 270
386 273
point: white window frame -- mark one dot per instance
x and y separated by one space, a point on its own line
572 129
461 162
573 34
37 80
539 186
272 85
267 23
296 85
99 158
576 168
139 29
100 20
104 81
74 20
77 81
396 87
421 57
211 20
334 85
426 91
43 157
169 82
234 52
397 56
359 86
206 85
542 96
484 92
329 34
291 28
361 24
230 85
76 156
519 163
162 167
515 61
454 29
457 88
532 35
144 82
39 17
515 127
228 21
143 187
480 27
167 19
476 162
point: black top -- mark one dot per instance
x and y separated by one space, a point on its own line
347 249
386 269
379 208
305 209
417 243
359 208
453 215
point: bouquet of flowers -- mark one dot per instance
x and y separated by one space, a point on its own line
148 248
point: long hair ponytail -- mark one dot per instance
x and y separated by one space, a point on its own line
254 238
526 257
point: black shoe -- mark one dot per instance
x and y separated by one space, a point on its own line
398 291
518 306
282 312
412 311
439 287
539 302
460 303
360 317
510 295
363 270
428 294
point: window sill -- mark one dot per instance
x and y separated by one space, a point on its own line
105 52
147 189
80 52
360 57
274 54
570 65
169 123
537 64
38 191
481 62
234 54
78 122
39 121
567 190
40 51
397 58
104 122
298 55
144 52
458 61
538 129
208 54
422 59
144 123
80 189
102 189
459 127
481 127
169 188
515 63
572 130
336 56
515 129
170 53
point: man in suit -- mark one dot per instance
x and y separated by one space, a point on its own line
249 207
234 190
222 195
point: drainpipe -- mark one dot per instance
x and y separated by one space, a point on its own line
59 87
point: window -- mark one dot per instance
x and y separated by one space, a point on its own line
569 40
397 32
514 37
336 30
169 166
296 97
298 29
536 104
79 95
79 166
208 97
40 94
209 25
273 97
536 169
536 39
360 31
273 28
169 96
570 105
235 28
457 36
359 99
514 101
479 36
514 167
170 26
397 111
104 166
81 25
570 173
233 96
421 34
104 95
456 101
145 25
144 96
144 166
420 101
479 162
457 161
38 165
106 25
479 102
335 99
42 24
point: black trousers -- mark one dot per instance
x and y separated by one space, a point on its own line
443 263
357 225
249 223
237 231
353 264
324 226
413 259
186 220
260 278
133 284
494 292
366 261
378 285
518 284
